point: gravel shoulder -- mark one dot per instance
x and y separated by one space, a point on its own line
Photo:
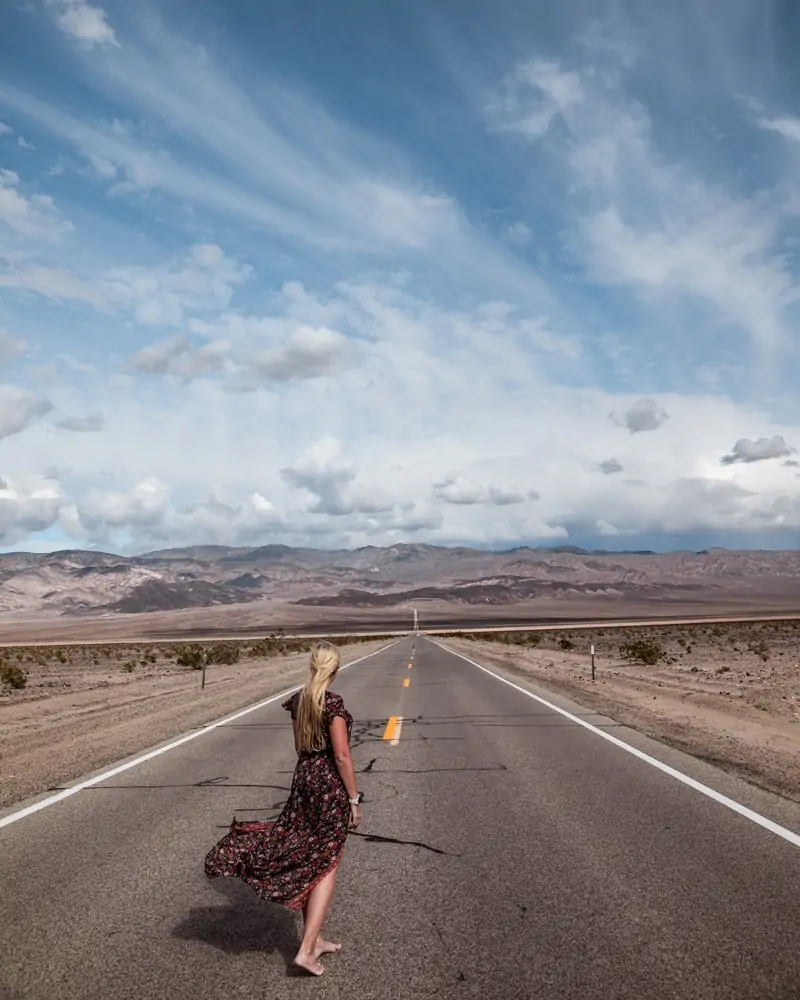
84 708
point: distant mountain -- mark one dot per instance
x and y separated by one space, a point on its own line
76 582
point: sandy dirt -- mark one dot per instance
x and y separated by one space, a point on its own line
86 707
253 619
728 694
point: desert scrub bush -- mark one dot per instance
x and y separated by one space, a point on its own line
129 666
13 676
190 656
226 652
647 651
566 643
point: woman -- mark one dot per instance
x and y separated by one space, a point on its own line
294 860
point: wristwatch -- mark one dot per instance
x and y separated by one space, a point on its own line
357 800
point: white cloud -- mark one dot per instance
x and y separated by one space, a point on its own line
5 129
163 295
84 23
28 508
554 92
323 471
100 511
644 415
458 489
310 352
747 451
35 217
177 356
788 127
18 408
610 466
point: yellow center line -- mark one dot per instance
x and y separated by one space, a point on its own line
392 731
406 682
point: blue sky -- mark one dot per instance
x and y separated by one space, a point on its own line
345 274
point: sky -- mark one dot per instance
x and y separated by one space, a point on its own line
473 272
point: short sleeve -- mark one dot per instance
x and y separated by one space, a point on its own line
334 705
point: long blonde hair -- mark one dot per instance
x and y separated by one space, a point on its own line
310 705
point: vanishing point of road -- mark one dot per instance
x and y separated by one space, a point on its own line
513 845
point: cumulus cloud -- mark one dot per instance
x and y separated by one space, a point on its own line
26 508
101 512
610 466
83 425
308 353
35 217
644 415
458 489
18 408
323 471
86 24
747 451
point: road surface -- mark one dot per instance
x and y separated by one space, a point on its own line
506 851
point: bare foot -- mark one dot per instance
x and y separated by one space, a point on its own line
303 960
326 948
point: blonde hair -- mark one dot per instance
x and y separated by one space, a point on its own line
310 705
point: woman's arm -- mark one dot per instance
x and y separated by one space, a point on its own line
341 754
344 764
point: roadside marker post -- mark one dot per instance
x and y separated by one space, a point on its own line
591 648
203 677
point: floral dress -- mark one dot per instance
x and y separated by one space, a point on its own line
284 860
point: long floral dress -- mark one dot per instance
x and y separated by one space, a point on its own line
284 860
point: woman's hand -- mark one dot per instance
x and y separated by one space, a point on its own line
355 816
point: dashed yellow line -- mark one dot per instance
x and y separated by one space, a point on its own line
393 727
406 682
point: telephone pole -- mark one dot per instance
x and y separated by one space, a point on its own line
416 623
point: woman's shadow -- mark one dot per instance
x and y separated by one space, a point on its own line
246 923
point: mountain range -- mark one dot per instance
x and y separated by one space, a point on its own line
78 583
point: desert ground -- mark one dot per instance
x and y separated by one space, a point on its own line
255 619
84 707
726 693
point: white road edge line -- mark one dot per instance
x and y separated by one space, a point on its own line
737 807
73 789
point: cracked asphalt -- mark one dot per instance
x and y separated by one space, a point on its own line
505 852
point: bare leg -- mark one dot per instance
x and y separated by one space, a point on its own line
314 913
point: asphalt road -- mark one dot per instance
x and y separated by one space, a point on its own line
506 852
